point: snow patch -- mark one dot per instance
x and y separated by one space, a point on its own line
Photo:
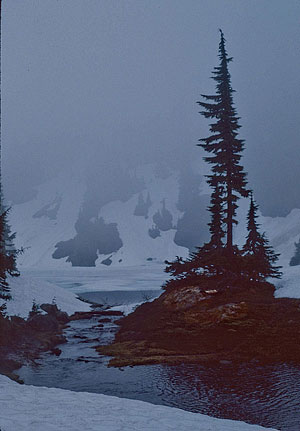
25 289
30 408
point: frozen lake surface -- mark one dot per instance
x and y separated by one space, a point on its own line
144 277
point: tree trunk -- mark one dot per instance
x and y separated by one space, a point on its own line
229 220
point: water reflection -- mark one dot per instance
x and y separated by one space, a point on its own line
268 395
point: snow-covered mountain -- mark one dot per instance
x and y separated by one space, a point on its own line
53 217
50 218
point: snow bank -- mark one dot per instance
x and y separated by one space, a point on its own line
25 289
289 285
30 408
126 308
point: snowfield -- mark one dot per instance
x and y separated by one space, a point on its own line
39 232
30 408
25 290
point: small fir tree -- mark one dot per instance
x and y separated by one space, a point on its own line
140 209
254 237
148 201
163 218
142 206
35 309
154 232
8 253
295 260
259 256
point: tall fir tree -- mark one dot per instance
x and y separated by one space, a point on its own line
256 261
224 146
260 257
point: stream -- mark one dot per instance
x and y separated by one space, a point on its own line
264 395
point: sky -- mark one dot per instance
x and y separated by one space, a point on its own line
118 80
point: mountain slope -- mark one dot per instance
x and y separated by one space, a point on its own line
51 217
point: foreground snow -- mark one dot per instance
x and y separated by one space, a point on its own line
30 408
25 290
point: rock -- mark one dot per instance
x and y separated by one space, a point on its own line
107 261
53 310
185 298
50 308
56 351
45 323
18 321
63 317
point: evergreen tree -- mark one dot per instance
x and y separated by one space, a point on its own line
154 232
216 223
254 237
148 201
163 218
8 253
223 145
295 260
227 264
142 207
259 256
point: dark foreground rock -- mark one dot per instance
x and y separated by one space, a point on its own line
206 323
23 340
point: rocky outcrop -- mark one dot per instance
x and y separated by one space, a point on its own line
210 323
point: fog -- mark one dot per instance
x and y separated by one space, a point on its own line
116 82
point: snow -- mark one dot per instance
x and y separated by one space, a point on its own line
126 308
149 276
30 408
39 234
25 289
289 285
138 245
